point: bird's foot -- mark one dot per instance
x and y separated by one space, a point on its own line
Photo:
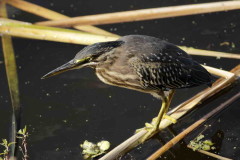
153 127
173 120
151 130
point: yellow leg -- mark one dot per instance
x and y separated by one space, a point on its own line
168 101
154 126
169 98
173 120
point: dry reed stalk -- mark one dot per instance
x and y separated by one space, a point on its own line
186 131
52 15
26 30
200 52
218 72
211 154
180 110
146 14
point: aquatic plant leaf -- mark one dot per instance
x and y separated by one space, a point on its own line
12 78
199 144
91 150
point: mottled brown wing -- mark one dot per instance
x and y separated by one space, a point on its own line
169 67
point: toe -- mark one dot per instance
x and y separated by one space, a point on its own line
173 120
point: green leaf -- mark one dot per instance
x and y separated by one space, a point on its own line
4 142
19 137
9 144
208 142
206 147
25 130
20 131
199 137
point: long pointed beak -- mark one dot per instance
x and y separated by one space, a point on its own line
67 66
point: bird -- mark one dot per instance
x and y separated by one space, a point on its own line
141 63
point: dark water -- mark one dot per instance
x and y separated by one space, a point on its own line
63 111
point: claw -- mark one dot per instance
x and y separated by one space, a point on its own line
173 120
151 129
149 134
148 125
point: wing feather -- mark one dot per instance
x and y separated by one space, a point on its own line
168 67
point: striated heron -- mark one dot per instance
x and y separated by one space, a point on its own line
143 63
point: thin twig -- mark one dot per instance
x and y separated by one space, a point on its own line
24 147
146 14
186 131
181 110
52 15
211 154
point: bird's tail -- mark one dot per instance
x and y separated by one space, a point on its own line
199 75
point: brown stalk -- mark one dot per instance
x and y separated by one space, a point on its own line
52 15
179 111
145 14
211 154
180 136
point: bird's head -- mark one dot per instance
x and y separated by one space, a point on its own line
89 56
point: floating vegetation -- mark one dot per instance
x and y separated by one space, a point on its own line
199 143
91 150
